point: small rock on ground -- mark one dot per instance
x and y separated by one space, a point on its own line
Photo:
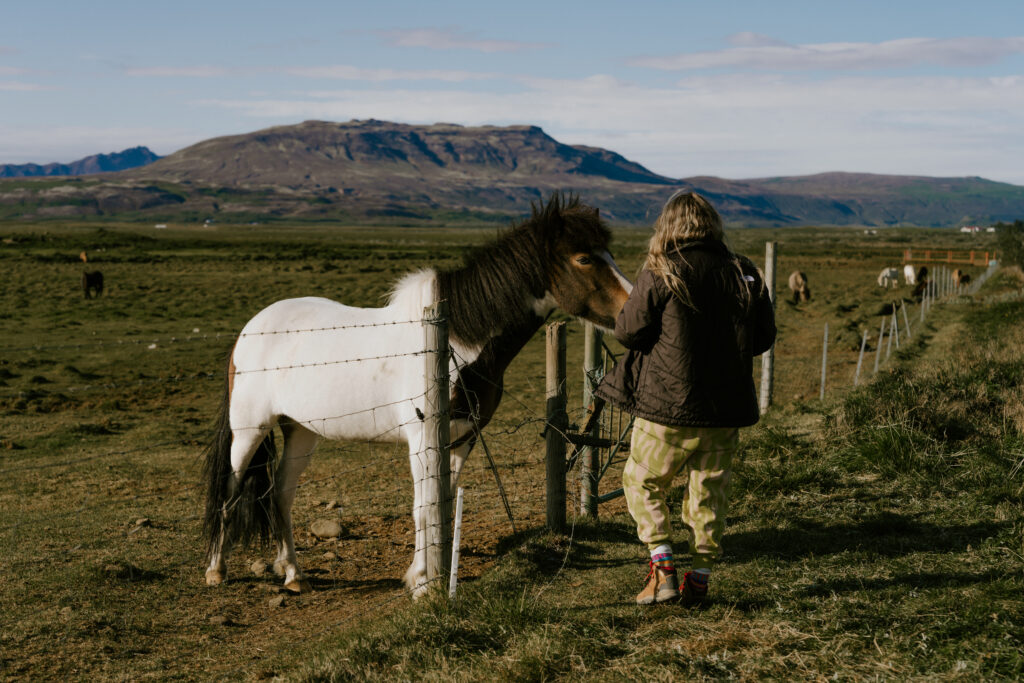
326 528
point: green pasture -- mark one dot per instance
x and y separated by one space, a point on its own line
876 534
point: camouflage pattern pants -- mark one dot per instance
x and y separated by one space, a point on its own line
704 456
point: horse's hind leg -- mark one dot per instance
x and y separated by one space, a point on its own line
299 443
243 445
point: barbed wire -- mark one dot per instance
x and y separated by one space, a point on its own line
386 323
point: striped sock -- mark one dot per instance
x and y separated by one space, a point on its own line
698 579
661 557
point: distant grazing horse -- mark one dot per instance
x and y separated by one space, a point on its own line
889 277
909 275
960 277
92 281
798 285
320 369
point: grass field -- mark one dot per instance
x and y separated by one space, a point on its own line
875 534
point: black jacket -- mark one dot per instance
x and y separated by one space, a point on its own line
693 366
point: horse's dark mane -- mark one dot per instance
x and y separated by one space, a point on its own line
492 289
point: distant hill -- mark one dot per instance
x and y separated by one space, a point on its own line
97 163
375 171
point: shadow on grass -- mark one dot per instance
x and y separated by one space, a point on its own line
887 534
582 547
902 581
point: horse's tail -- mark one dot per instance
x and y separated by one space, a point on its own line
238 512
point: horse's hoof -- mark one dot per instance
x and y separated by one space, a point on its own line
214 577
298 586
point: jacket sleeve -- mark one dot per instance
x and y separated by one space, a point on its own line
639 321
762 320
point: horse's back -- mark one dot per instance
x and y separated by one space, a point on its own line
341 371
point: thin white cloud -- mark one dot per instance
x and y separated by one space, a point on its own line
8 50
18 86
179 71
355 73
753 51
345 72
452 39
12 71
748 39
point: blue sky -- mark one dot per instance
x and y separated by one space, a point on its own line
732 89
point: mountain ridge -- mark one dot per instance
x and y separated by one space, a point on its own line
95 163
371 170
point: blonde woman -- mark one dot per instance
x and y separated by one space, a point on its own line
697 316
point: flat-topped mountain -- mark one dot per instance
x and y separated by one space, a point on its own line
372 171
362 154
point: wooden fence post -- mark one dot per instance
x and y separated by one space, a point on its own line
593 369
556 426
824 362
768 357
436 438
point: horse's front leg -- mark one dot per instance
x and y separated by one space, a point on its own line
299 443
460 429
416 575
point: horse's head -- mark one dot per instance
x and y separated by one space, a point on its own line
583 278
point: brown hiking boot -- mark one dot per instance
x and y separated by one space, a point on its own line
661 586
692 594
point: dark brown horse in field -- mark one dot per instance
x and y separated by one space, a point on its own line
92 283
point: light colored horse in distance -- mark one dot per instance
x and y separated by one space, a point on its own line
799 286
889 277
321 370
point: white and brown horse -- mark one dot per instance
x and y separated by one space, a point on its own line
321 370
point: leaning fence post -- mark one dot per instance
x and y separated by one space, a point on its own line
906 322
593 368
860 358
436 437
895 327
556 426
824 362
878 349
888 344
768 357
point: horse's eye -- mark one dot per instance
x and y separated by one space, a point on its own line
584 260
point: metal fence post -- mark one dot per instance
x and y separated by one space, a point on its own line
593 369
436 437
888 345
556 426
824 362
878 349
768 357
860 358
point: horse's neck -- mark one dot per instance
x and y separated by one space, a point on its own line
479 383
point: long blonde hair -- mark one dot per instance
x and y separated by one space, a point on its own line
686 216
